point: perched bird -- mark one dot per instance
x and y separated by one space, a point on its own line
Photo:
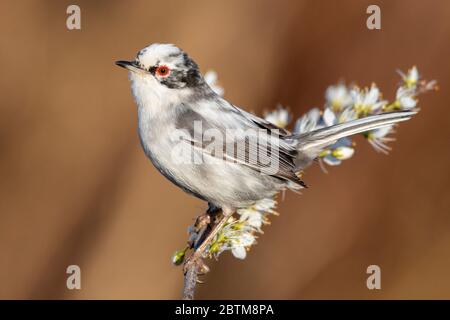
173 97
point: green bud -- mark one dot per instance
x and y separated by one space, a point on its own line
178 257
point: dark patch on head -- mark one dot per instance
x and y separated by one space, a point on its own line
152 70
173 55
185 74
174 80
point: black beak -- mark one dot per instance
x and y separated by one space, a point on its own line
124 64
129 65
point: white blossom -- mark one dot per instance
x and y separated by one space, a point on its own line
337 97
236 236
367 101
308 122
211 79
378 139
329 117
239 252
336 153
348 114
279 117
343 153
240 245
411 78
405 98
252 217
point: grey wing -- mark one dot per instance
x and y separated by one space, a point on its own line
262 123
256 146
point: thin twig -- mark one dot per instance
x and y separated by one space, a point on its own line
190 281
194 265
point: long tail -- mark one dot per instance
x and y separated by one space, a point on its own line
310 144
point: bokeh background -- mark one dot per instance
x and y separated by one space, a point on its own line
75 187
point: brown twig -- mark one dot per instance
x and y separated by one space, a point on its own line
190 281
205 229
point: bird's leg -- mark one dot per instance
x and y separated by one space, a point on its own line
215 229
198 231
212 214
195 260
202 226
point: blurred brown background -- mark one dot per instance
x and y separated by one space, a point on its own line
76 188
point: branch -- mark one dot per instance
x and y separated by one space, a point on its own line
190 281
204 231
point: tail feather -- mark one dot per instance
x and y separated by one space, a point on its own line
310 144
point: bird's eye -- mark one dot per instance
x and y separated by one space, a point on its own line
162 71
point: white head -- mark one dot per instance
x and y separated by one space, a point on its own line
163 73
164 65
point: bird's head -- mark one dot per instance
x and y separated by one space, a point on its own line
163 65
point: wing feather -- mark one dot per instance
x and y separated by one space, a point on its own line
254 148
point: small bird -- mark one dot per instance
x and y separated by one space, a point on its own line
172 96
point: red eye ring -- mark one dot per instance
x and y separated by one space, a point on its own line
162 71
